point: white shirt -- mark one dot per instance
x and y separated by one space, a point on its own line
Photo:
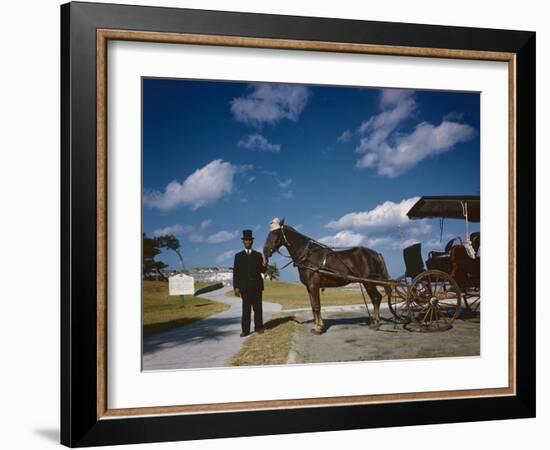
248 251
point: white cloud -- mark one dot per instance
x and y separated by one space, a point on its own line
386 225
204 186
344 238
269 103
387 214
388 217
241 168
392 97
196 238
396 105
221 236
403 243
225 256
283 183
453 115
378 128
418 227
172 229
259 142
206 223
348 238
216 238
376 241
392 153
426 140
345 136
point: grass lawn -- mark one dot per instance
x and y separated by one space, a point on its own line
271 347
162 312
294 295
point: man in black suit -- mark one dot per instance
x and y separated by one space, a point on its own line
249 284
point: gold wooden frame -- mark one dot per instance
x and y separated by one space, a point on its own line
103 35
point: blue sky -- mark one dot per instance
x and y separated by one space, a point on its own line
341 164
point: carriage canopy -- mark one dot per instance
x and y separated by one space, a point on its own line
446 206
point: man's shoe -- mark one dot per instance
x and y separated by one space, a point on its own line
244 334
261 330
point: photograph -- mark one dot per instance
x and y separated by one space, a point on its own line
271 223
287 223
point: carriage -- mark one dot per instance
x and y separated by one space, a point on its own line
431 295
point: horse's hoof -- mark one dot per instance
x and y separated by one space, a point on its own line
316 331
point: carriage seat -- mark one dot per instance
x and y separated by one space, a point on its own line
413 260
442 260
447 251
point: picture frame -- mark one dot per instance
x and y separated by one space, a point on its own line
86 419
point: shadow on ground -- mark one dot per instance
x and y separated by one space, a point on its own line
196 332
274 323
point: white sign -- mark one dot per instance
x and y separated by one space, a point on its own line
181 285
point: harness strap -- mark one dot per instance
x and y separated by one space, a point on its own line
287 243
303 257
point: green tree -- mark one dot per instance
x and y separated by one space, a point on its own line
171 242
151 248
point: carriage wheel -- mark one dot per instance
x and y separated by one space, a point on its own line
434 301
397 301
472 302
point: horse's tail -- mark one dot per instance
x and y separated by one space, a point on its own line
384 272
383 268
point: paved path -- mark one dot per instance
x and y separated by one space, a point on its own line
209 342
350 338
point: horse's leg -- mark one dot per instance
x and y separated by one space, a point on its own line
376 299
310 293
320 323
315 300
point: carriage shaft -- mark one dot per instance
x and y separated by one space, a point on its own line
352 278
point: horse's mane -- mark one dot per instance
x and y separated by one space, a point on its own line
320 244
300 234
277 222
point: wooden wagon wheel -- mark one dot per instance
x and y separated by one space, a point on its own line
397 301
472 301
434 301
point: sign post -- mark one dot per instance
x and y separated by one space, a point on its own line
181 285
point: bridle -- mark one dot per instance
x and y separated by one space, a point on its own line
285 240
286 243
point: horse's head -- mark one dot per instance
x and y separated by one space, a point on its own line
276 238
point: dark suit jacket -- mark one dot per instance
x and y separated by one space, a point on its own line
247 270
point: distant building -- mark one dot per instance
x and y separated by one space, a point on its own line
207 274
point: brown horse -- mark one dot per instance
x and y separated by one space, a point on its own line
313 258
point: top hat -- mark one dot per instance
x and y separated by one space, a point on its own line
247 234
